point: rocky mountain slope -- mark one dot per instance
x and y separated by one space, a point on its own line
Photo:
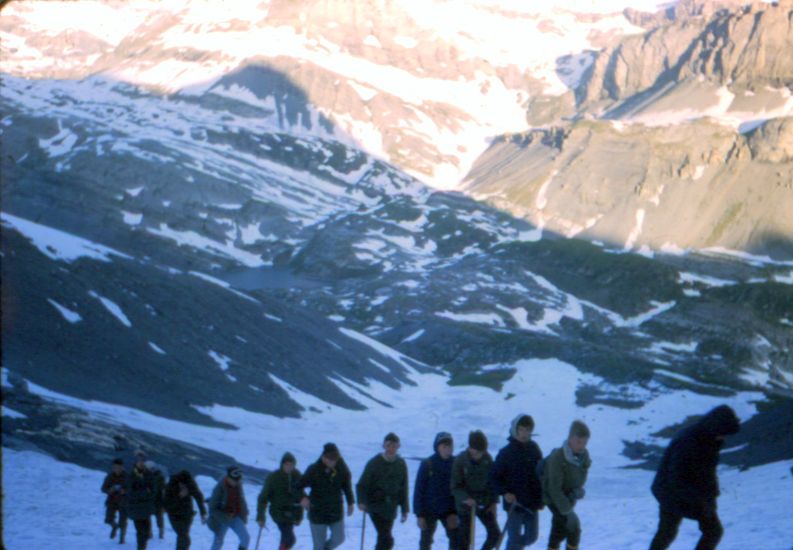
681 137
194 224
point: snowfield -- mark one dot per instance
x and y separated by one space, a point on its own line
618 511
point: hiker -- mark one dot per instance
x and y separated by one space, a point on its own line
178 503
564 475
514 476
159 496
228 509
328 478
472 493
283 493
382 488
115 487
141 490
432 496
686 484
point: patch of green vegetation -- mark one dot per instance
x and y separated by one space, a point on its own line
724 222
624 283
768 301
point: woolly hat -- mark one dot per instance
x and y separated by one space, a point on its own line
392 437
442 437
183 477
331 451
477 440
288 457
118 461
234 472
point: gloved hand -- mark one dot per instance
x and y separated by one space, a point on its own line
577 493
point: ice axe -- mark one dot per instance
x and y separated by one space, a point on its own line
472 529
504 530
363 530
259 537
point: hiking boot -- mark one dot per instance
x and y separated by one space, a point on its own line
113 530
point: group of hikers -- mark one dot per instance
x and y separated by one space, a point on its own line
453 491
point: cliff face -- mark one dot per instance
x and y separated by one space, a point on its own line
743 47
691 186
679 137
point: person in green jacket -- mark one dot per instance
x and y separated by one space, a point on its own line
382 488
472 493
328 478
283 493
564 475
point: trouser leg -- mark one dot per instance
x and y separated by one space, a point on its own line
558 529
464 531
319 534
668 524
238 526
489 520
428 533
711 529
287 530
336 535
385 540
142 529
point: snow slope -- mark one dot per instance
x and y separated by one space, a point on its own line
618 512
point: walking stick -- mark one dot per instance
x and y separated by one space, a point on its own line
504 530
363 530
472 529
259 537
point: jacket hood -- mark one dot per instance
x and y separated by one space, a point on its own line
441 437
513 426
720 421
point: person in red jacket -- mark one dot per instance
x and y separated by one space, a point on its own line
114 486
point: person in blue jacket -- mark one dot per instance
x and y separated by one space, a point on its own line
432 497
514 477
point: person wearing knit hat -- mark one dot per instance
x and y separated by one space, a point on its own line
328 479
472 493
382 488
283 494
514 475
432 495
114 486
228 509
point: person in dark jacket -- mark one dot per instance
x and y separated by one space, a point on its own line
471 490
432 496
328 479
178 501
283 494
141 493
514 476
159 495
686 484
115 487
228 509
563 479
382 488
